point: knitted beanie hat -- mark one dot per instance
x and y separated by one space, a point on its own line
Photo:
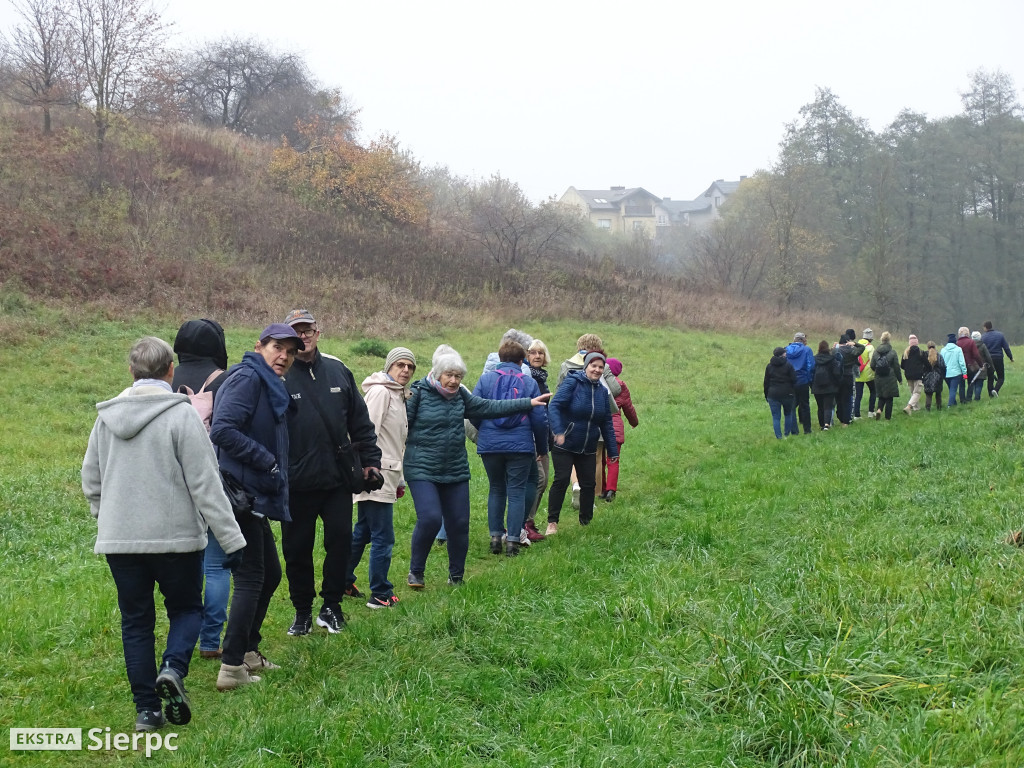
396 354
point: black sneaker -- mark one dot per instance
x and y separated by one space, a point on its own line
382 602
455 581
331 619
353 591
150 720
609 496
416 580
171 689
302 625
495 545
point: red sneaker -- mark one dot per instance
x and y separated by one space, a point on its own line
532 533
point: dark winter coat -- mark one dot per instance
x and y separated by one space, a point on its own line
581 410
435 449
827 372
201 350
972 357
887 386
250 432
851 359
312 461
779 379
913 363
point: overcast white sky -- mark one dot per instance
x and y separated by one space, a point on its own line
667 94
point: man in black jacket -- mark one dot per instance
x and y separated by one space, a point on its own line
328 410
851 352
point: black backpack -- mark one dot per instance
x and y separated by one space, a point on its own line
880 364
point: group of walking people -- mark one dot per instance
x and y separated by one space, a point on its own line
838 375
286 435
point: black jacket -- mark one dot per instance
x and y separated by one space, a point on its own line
779 378
201 351
913 363
851 359
312 465
826 373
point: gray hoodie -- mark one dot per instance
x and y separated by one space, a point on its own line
151 477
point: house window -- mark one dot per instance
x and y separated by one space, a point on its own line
637 225
600 200
662 220
718 201
604 223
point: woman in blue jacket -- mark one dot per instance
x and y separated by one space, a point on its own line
436 466
250 432
579 412
509 446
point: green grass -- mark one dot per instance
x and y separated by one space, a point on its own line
839 599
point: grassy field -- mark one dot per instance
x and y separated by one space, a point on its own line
844 598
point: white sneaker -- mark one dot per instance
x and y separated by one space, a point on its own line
994 393
575 495
552 529
524 540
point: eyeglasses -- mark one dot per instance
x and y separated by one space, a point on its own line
405 366
309 333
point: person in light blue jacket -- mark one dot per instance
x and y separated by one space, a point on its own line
508 447
579 412
956 370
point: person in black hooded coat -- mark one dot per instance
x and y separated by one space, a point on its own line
202 352
780 392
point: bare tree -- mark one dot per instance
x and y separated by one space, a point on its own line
118 41
38 55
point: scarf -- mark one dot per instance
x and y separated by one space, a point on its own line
277 394
440 390
539 375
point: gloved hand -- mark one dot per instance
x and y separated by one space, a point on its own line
233 560
400 492
373 480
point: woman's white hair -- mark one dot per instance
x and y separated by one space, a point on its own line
448 362
538 344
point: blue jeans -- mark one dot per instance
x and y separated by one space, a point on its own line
778 407
953 383
215 599
180 578
507 474
375 525
975 389
435 502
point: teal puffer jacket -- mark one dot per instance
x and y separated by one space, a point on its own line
436 447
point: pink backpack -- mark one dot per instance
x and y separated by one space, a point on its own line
202 400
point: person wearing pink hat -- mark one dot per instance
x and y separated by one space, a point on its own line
912 363
625 403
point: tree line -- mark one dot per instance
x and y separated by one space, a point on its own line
918 226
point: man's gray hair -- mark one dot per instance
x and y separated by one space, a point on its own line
521 336
150 358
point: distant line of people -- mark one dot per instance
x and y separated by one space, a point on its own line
290 439
838 375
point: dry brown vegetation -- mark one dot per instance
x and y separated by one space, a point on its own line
182 221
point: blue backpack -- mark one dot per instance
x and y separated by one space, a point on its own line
508 386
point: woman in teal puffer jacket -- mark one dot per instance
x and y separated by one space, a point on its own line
436 466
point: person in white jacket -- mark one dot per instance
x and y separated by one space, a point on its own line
385 393
153 485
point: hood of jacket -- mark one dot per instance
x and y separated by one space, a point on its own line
128 413
778 362
201 339
381 379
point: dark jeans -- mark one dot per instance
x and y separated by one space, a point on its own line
180 578
953 383
844 399
996 374
826 405
778 408
885 406
563 463
435 502
256 579
803 406
334 507
375 525
507 475
860 396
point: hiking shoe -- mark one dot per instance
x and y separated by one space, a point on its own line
171 689
416 580
382 602
331 619
512 549
353 591
575 495
455 581
209 654
255 660
302 625
552 529
150 720
532 533
495 545
231 677
609 496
